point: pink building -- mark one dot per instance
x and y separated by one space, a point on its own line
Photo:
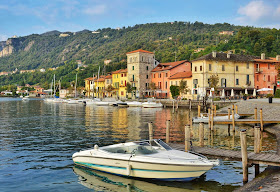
162 72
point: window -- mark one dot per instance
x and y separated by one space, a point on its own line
124 83
171 82
165 84
248 66
223 67
237 81
147 68
160 75
121 75
248 80
166 74
142 58
200 68
159 85
176 83
195 82
236 67
210 67
195 68
257 78
268 66
132 77
263 77
154 75
122 93
132 67
130 59
121 82
223 82
268 78
125 74
147 76
208 80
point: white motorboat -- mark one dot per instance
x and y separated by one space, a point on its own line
152 105
26 98
134 104
92 101
205 119
145 159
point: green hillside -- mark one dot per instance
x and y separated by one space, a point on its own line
51 50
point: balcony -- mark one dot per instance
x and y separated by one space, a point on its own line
132 80
258 70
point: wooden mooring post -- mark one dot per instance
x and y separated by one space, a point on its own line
150 130
233 120
190 104
256 112
229 118
243 143
173 104
201 134
261 119
187 138
236 109
198 111
167 131
257 146
212 120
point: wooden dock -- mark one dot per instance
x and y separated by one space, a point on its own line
253 158
226 114
245 121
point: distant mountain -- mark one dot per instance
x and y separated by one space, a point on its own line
53 48
167 40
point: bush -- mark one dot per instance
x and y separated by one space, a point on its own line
277 93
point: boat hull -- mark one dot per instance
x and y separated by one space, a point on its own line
142 169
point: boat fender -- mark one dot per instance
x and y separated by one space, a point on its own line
128 170
96 147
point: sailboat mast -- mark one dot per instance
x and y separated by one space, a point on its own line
76 86
54 85
93 85
97 81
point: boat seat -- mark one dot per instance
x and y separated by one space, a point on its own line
121 151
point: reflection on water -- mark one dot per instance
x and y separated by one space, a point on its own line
101 181
38 140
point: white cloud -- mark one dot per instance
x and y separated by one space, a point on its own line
259 12
96 10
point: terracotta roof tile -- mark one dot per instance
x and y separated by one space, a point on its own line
108 77
267 60
140 50
168 66
181 75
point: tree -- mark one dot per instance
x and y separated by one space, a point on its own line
174 90
213 82
110 88
152 87
183 88
129 88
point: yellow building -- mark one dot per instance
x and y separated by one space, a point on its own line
98 87
108 86
119 81
182 76
99 84
89 86
234 72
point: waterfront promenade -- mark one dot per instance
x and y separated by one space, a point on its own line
269 179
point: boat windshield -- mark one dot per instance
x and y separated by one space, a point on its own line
155 143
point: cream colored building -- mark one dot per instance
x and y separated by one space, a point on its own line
182 76
234 71
139 66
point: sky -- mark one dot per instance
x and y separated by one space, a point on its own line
25 17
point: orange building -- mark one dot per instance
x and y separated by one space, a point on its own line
266 72
161 74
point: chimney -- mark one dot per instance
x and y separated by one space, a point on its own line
228 55
214 54
263 56
278 57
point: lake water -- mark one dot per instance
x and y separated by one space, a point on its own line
38 139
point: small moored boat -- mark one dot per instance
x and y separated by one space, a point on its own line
144 159
152 105
205 119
